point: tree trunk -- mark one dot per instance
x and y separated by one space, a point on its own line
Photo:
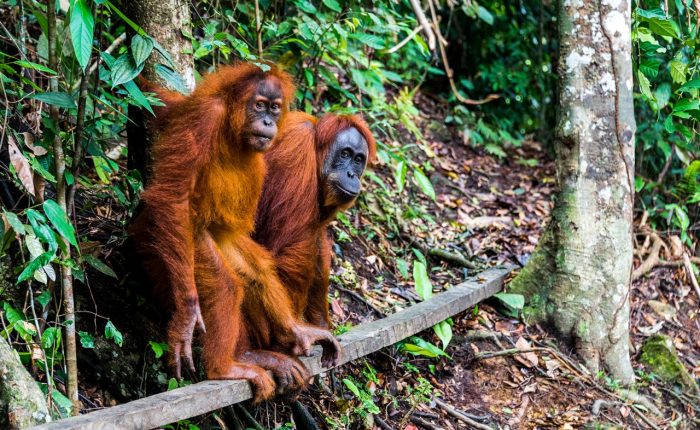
22 402
578 278
166 21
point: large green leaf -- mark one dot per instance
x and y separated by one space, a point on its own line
693 84
59 99
111 332
424 287
60 221
424 183
678 70
125 70
400 175
443 330
141 48
82 26
663 27
332 5
35 265
99 266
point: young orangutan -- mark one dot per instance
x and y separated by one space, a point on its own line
194 230
314 171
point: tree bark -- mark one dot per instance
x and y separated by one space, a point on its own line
578 278
22 402
166 21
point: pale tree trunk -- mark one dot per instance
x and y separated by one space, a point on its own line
578 278
22 403
166 21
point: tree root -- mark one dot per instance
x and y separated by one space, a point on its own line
652 259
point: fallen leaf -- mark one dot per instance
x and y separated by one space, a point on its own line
530 358
662 309
21 165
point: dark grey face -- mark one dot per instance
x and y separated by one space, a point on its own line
345 165
264 110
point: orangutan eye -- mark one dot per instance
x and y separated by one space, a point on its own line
345 153
275 108
259 106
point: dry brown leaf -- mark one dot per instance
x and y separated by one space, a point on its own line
29 142
529 358
21 165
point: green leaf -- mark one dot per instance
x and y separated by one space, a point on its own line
158 348
35 265
424 183
59 99
400 175
663 27
125 70
15 223
35 66
677 69
111 332
86 340
51 336
141 48
686 104
423 286
443 330
693 84
41 230
512 303
64 404
402 265
332 5
352 387
82 26
44 298
60 221
423 348
172 78
644 86
371 40
484 15
99 266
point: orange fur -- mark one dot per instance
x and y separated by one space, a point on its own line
292 216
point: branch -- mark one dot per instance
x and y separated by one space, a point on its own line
691 274
424 24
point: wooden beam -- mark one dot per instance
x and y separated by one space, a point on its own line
207 396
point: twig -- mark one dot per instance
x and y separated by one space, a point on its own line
408 38
361 299
644 418
691 275
451 257
382 424
423 423
424 24
460 415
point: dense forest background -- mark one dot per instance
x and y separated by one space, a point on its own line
465 118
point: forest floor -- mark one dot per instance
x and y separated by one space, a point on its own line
487 209
493 211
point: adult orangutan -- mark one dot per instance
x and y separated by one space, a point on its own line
314 171
193 232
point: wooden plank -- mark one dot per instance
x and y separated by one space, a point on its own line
203 397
